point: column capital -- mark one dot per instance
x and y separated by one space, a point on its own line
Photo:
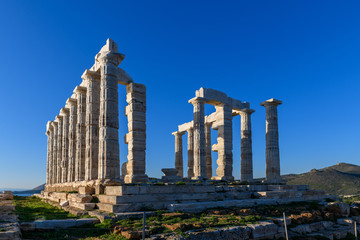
247 111
89 75
48 127
197 100
177 133
71 101
80 89
64 111
110 57
270 102
58 118
54 124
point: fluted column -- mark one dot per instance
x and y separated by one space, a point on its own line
190 153
246 146
54 152
92 124
72 103
208 150
59 120
49 156
199 138
80 133
179 165
224 145
109 163
136 137
272 141
65 144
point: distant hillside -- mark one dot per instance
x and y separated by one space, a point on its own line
37 189
340 179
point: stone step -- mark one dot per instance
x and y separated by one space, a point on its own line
160 197
82 206
113 208
150 189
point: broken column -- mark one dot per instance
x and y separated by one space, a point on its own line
223 147
179 165
136 138
199 138
272 141
208 158
59 120
246 146
80 133
65 144
190 152
72 103
54 152
109 163
92 80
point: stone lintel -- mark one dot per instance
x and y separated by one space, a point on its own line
80 89
54 123
124 77
186 126
271 101
215 97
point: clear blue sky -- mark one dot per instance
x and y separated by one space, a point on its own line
305 53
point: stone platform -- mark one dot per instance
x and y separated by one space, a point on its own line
191 197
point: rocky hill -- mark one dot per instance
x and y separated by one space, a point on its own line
37 189
340 179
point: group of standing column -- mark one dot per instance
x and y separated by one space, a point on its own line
199 140
83 140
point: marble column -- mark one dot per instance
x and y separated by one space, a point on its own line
109 162
224 145
199 138
92 124
65 144
136 138
272 141
72 103
208 158
190 153
179 165
59 120
246 146
49 154
51 162
54 152
80 133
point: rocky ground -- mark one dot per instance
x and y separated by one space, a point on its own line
9 226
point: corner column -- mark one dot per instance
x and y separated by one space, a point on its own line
199 138
72 103
272 141
92 124
59 120
179 165
208 150
65 144
190 153
136 138
246 146
80 133
109 162
224 145
49 153
54 152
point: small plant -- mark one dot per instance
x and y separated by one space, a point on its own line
94 200
159 184
180 183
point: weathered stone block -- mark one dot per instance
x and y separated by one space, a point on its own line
82 206
86 190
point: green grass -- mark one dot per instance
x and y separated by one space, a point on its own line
32 208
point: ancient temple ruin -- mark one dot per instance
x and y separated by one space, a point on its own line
83 150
